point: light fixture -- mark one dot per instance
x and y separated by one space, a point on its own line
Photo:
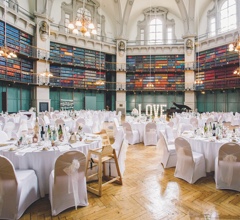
198 82
46 74
150 84
237 71
83 23
235 46
100 82
4 50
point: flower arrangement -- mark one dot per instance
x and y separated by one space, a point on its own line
134 112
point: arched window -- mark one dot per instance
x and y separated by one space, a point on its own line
228 17
155 31
72 18
156 28
212 27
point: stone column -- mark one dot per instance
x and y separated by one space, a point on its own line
41 93
190 58
121 76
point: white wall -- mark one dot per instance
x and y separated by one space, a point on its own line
201 25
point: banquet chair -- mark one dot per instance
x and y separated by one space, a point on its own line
183 128
80 121
210 119
170 124
190 165
9 127
169 157
67 182
3 137
105 138
150 134
2 122
227 167
98 157
46 120
194 122
120 145
19 189
87 129
170 138
41 121
132 135
58 122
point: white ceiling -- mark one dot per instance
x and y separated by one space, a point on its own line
140 5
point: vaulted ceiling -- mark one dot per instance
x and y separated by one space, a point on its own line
123 12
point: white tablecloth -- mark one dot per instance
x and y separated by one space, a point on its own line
209 148
141 125
42 161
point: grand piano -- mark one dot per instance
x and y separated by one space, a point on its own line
179 108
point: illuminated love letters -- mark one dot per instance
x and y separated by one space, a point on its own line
153 107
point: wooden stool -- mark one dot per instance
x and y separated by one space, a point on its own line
100 156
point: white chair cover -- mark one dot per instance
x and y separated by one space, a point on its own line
87 129
58 122
132 135
46 120
18 190
169 157
120 145
150 136
3 137
194 122
81 121
8 128
67 182
190 165
169 135
227 167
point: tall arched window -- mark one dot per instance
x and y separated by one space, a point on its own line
156 28
228 17
155 31
212 27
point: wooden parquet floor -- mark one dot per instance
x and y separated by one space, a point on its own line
149 192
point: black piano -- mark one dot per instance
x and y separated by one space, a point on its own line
179 108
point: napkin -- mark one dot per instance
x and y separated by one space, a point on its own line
23 151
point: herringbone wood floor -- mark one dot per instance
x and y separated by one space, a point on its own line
149 192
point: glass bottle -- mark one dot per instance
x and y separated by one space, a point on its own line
60 133
205 129
214 130
42 133
49 132
36 127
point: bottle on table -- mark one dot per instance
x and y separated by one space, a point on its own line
49 133
214 130
36 127
60 133
205 128
42 133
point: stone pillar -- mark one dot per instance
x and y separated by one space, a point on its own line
41 93
121 76
190 58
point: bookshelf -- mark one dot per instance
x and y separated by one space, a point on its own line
16 39
216 57
76 77
167 72
17 69
75 56
216 68
76 67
